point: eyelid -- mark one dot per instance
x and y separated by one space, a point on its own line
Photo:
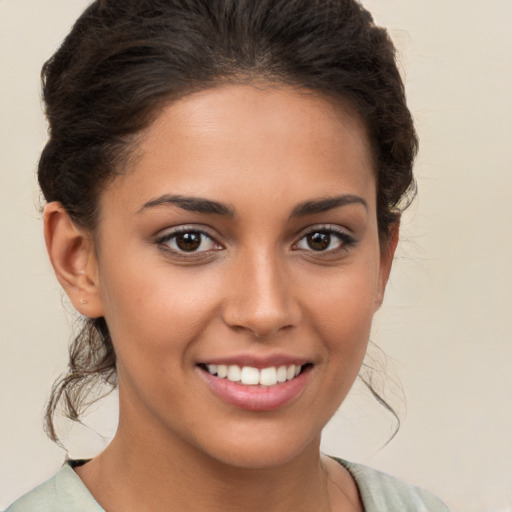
168 234
347 240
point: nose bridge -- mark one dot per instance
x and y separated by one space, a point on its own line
261 299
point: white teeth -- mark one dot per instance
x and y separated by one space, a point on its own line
234 373
268 376
222 371
281 374
251 376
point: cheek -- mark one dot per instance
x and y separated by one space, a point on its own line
345 331
156 311
341 314
345 301
155 319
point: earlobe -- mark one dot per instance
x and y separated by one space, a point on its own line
71 252
387 254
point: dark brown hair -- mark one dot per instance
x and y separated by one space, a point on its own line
125 59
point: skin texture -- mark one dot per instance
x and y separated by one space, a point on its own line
255 288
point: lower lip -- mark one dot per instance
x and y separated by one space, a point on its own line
256 398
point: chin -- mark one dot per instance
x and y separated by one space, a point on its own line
257 457
263 445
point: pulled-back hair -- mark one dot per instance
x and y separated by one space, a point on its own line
125 59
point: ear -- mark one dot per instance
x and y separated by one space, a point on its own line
387 253
72 255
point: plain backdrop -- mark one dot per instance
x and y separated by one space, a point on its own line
446 322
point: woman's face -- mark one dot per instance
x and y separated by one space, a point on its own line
244 241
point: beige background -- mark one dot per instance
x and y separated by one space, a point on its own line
446 322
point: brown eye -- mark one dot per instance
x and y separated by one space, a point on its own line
319 241
328 240
189 241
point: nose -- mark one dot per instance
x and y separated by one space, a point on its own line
260 297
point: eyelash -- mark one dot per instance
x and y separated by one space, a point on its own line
164 242
345 240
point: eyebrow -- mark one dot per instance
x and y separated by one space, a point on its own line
191 204
201 205
323 205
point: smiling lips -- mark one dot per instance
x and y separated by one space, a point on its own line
256 389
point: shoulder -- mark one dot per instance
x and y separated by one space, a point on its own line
381 492
64 492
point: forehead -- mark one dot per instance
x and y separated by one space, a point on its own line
271 142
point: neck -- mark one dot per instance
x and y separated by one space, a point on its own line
147 468
129 477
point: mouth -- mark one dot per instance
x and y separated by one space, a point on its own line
251 376
254 383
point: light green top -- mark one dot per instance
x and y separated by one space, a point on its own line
65 492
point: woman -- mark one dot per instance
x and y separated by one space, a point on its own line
223 183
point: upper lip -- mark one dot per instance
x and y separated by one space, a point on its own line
258 361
